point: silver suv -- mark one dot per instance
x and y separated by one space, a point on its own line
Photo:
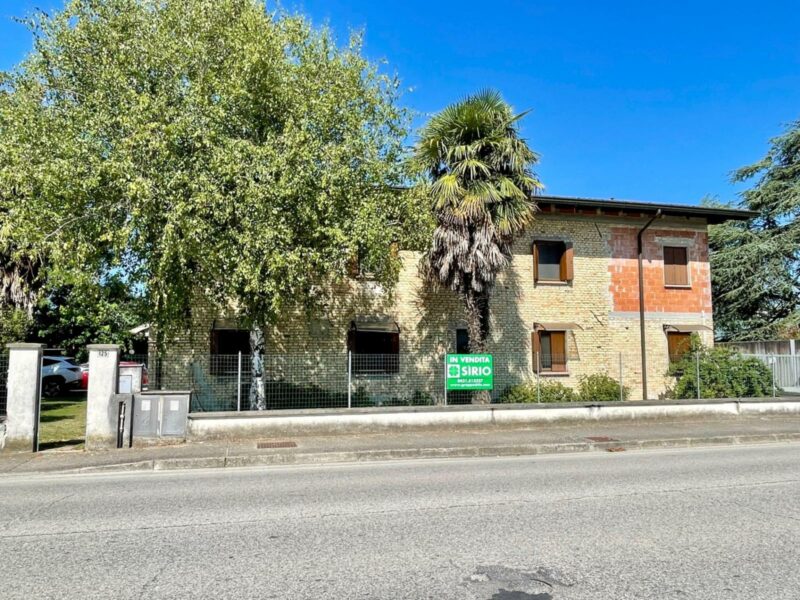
59 374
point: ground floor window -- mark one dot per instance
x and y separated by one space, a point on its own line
678 345
550 351
226 344
462 341
374 352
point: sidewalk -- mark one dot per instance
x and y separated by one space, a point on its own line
605 436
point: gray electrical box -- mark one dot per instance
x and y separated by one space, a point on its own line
160 414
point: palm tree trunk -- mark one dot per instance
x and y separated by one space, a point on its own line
477 309
258 399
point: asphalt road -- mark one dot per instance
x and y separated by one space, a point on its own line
703 523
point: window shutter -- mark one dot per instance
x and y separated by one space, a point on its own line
537 349
568 273
214 341
535 262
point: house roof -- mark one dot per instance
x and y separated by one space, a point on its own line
588 206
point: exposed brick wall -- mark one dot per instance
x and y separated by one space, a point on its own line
602 300
624 271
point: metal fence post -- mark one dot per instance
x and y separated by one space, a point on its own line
538 376
774 360
445 378
621 387
697 372
349 379
239 384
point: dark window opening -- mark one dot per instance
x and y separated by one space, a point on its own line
462 341
375 352
676 266
550 351
226 344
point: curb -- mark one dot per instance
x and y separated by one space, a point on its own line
222 462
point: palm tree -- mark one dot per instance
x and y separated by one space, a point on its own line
481 184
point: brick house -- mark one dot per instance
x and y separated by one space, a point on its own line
568 306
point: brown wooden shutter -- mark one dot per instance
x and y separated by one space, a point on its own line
537 349
676 266
567 260
535 262
353 266
214 341
558 347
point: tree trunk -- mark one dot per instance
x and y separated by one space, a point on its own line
258 399
477 309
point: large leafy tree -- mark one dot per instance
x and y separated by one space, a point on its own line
481 184
201 146
756 264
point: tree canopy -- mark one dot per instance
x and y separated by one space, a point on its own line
755 265
200 145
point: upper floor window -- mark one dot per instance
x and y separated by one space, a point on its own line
552 261
676 266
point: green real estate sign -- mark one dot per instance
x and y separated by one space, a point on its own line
469 372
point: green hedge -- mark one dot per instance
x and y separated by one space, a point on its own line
592 388
724 373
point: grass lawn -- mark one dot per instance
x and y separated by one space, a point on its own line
63 421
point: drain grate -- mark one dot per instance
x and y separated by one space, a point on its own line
602 438
617 449
287 444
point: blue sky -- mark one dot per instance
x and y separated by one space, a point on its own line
654 101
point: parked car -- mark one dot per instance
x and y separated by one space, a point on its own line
125 363
59 374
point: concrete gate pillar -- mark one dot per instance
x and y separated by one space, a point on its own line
101 411
22 408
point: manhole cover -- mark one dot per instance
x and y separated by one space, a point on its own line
287 444
601 438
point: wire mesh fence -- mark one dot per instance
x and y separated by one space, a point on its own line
335 380
3 383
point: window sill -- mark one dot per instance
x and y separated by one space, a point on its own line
677 287
554 373
552 282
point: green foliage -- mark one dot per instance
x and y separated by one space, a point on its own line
724 373
480 183
600 387
86 312
201 146
755 265
548 391
15 326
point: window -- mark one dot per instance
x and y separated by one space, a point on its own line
678 345
549 351
676 266
374 352
462 341
552 261
225 344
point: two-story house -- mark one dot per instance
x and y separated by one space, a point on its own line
568 305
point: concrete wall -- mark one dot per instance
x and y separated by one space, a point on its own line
297 423
602 299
